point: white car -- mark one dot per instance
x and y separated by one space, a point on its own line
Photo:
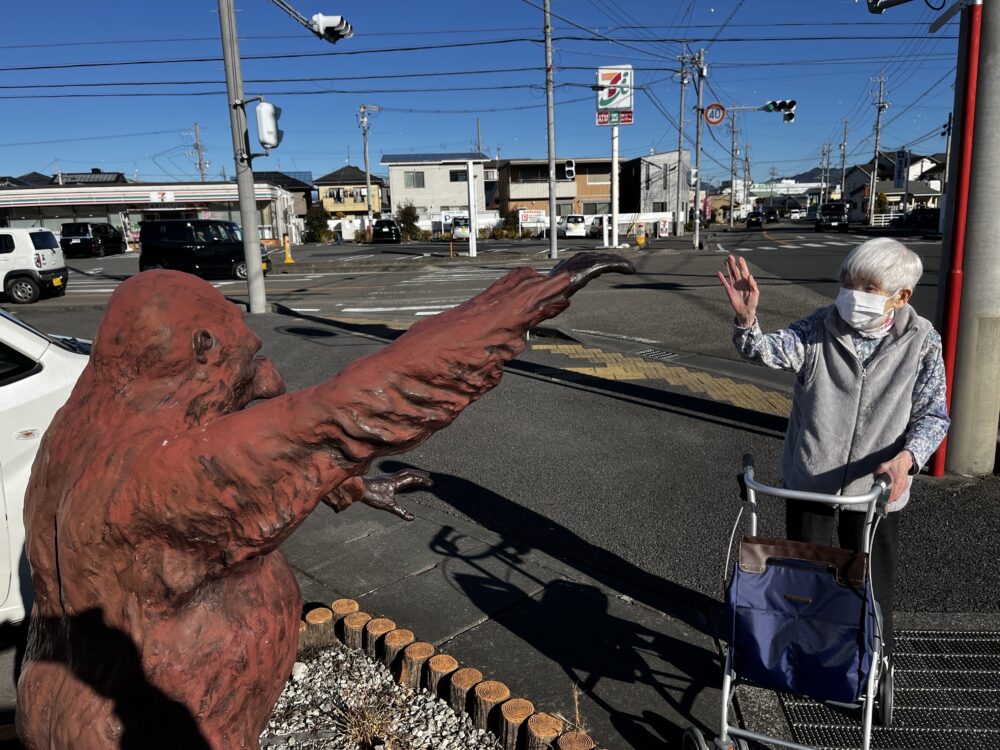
574 225
31 262
795 214
37 374
460 228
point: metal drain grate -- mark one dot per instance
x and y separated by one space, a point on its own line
947 697
660 355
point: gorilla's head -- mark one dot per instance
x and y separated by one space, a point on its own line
172 339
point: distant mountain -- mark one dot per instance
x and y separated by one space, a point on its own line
813 175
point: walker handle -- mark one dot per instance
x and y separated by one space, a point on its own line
748 460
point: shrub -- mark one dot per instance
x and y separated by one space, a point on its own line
406 217
317 228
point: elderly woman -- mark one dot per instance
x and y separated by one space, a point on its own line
869 396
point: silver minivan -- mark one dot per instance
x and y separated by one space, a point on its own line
31 263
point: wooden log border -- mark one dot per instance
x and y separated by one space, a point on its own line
514 721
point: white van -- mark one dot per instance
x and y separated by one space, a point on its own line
575 225
31 263
37 374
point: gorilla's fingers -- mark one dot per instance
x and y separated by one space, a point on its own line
411 478
583 267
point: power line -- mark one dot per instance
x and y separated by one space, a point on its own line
91 138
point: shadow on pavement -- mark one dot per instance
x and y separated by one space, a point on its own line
626 661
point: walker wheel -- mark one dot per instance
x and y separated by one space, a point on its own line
885 698
693 740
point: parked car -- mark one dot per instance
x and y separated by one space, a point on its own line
596 228
919 218
795 214
461 227
386 230
574 225
208 248
832 216
37 374
755 220
771 215
31 263
91 240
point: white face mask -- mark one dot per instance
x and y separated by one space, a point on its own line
862 311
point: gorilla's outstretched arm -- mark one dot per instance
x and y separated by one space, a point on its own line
272 463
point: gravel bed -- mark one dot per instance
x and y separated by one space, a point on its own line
339 699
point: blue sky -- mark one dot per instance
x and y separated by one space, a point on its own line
148 135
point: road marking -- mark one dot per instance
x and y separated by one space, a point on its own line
431 312
404 308
305 309
839 244
616 366
616 336
811 244
789 247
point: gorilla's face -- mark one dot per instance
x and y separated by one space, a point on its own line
227 374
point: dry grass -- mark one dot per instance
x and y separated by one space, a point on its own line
367 726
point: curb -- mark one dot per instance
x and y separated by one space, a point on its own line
513 721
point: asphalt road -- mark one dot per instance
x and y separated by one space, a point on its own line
651 484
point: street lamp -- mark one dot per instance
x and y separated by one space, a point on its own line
330 28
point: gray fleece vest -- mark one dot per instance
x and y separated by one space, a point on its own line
847 419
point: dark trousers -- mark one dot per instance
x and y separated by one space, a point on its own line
812 522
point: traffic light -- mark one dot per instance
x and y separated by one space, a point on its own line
570 168
332 28
785 106
268 132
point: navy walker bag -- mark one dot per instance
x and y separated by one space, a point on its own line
802 619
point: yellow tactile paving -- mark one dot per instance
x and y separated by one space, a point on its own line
615 366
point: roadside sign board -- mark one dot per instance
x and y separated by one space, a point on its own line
529 215
614 88
715 113
605 117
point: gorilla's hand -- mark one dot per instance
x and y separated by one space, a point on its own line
381 489
583 267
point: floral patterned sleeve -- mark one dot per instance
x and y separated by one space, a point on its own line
783 350
929 417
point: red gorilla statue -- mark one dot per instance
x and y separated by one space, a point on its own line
165 615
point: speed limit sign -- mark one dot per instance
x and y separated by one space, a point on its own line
715 113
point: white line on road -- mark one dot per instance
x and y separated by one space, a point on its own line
839 244
811 244
405 308
789 247
305 309
616 336
432 312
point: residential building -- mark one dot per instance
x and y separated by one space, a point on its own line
344 191
299 184
35 178
93 177
524 183
436 184
925 181
649 184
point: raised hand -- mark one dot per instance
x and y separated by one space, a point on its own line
380 490
741 288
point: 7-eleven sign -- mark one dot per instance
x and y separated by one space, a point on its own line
614 88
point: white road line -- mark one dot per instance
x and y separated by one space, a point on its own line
811 244
789 247
405 308
839 244
432 312
305 309
87 290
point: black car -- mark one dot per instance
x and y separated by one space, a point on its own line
90 239
771 214
832 216
208 248
386 230
919 218
755 219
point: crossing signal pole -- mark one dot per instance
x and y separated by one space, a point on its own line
363 111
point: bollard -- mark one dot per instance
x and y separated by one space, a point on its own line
288 250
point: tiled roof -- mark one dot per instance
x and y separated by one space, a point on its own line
89 178
349 175
281 179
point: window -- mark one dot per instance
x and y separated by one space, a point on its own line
14 365
564 209
458 175
6 243
413 179
597 174
490 175
44 241
659 207
175 232
597 208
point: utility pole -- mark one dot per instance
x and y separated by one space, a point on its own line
822 173
199 153
975 387
679 219
732 172
880 106
746 173
241 155
843 165
551 121
702 72
770 187
479 137
945 193
363 111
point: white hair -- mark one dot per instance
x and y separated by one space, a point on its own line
885 262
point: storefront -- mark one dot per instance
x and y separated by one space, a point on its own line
125 206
